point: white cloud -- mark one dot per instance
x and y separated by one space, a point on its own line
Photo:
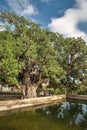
23 7
29 10
68 24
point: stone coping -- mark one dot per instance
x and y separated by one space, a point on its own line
77 97
21 103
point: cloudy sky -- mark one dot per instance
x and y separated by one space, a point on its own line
68 17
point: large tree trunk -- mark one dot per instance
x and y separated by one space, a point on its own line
29 89
31 92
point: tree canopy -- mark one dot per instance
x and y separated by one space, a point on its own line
73 52
29 55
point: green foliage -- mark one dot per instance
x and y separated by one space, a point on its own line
27 48
8 63
73 53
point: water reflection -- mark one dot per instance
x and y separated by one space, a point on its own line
70 113
67 115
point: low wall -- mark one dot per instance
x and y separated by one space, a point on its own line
77 97
21 103
14 104
9 95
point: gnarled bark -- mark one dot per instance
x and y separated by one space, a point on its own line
28 88
30 91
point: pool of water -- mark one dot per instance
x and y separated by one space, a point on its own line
66 115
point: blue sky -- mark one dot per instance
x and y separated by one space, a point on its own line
68 17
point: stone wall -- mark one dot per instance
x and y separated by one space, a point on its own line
15 104
21 103
77 97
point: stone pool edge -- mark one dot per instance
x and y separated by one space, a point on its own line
76 96
21 103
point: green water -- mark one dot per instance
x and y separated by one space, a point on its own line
67 115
